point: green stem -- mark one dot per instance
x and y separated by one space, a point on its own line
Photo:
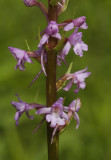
51 86
51 98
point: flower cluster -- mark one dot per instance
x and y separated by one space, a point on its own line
58 115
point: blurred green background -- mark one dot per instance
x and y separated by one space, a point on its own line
92 141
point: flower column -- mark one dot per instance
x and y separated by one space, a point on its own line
51 84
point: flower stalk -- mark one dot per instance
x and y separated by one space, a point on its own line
51 92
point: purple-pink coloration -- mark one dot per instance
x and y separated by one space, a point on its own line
54 114
78 45
30 3
51 30
21 56
22 107
74 106
79 22
78 78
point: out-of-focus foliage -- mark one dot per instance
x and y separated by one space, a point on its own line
92 141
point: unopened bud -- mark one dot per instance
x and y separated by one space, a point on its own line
79 21
30 3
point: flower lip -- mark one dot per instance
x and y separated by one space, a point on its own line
75 38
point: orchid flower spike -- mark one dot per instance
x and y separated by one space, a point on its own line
21 56
51 30
79 45
79 22
78 78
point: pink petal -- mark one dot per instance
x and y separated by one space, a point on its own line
77 49
43 111
75 105
76 117
43 39
42 62
75 38
69 26
54 132
84 26
84 46
66 49
57 35
82 85
68 86
81 71
81 77
27 58
65 116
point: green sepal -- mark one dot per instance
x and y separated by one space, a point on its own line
70 67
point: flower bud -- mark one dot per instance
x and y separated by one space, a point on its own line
79 21
30 3
52 28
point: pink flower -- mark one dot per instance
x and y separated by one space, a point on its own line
79 22
21 56
79 45
51 30
74 106
54 114
78 78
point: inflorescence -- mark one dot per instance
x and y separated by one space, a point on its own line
58 115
